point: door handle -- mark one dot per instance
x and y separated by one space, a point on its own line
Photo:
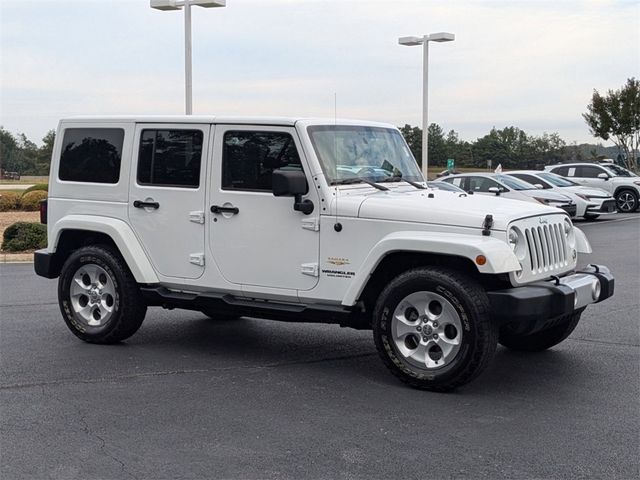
141 204
219 209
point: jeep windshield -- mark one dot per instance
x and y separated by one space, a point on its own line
358 154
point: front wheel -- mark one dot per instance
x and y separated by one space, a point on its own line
432 328
627 201
99 297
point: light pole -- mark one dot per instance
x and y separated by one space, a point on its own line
424 41
177 5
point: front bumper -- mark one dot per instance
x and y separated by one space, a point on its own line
535 306
605 208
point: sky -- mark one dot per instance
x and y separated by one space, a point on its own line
531 64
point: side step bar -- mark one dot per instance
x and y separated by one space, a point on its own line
248 307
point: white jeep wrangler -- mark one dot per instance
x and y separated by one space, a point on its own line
309 221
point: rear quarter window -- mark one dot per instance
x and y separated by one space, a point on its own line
91 155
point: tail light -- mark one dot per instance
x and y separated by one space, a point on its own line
43 211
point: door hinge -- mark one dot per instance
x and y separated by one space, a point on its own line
310 269
312 224
197 259
196 217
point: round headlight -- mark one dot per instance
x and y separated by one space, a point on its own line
569 233
513 239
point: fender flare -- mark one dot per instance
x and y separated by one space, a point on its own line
582 243
499 256
121 234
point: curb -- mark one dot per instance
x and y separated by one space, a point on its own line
16 257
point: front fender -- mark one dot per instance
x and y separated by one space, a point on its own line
500 258
582 243
119 232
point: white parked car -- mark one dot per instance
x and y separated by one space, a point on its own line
306 221
590 202
504 186
623 184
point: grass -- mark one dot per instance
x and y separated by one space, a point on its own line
26 180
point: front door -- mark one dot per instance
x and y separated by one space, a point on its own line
166 203
257 239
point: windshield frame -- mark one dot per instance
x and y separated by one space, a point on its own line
402 157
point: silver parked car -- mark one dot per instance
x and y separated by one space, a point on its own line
500 184
590 202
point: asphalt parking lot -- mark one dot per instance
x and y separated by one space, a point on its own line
191 397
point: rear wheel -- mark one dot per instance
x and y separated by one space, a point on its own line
432 328
98 296
627 201
536 342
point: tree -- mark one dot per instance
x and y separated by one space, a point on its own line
413 137
616 117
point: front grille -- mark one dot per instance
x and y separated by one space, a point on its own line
547 248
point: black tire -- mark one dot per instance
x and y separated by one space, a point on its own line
627 201
539 341
127 306
590 216
479 336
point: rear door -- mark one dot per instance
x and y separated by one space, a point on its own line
167 195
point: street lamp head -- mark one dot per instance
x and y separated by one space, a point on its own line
178 4
410 41
164 5
442 37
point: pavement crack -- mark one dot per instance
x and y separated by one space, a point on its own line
604 342
102 447
117 378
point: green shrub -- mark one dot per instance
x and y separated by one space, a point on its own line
8 201
24 236
30 202
36 188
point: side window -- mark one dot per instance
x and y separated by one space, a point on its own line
586 171
170 158
531 179
91 155
481 184
249 158
564 171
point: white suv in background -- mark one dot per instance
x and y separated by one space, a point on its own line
590 202
619 182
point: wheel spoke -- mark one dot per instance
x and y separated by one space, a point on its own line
78 288
402 327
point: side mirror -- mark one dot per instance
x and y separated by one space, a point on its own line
537 185
292 183
603 176
495 190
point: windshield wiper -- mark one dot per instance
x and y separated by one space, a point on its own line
398 178
349 181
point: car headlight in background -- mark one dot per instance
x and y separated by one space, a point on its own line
543 201
584 197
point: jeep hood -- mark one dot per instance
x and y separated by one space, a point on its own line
438 207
